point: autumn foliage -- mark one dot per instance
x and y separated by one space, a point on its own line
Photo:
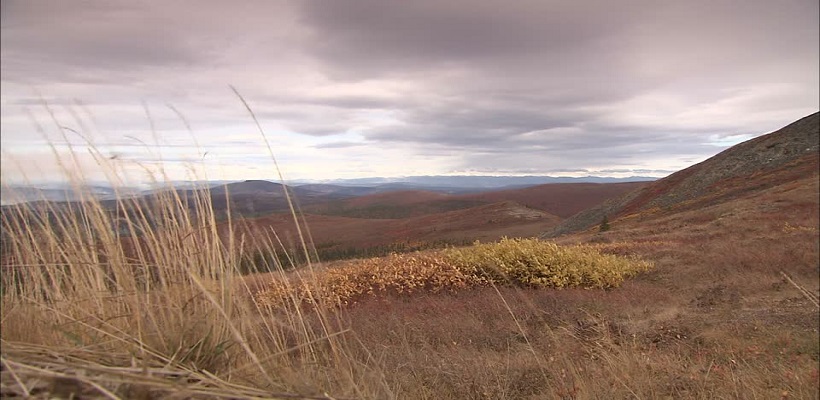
519 262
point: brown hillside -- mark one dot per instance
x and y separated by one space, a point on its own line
561 199
392 205
730 308
486 222
779 157
401 197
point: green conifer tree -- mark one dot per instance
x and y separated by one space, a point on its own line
604 225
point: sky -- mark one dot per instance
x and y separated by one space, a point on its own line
366 88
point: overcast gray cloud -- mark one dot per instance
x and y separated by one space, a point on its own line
373 87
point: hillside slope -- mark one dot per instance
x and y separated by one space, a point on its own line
559 199
486 222
785 155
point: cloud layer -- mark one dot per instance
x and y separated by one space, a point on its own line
369 87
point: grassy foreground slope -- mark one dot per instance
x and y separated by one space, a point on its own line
163 311
729 311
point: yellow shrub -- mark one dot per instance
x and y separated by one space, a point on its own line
532 262
397 273
523 262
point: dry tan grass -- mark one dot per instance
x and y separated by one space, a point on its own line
713 320
154 308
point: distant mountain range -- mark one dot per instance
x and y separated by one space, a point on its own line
470 181
334 188
13 194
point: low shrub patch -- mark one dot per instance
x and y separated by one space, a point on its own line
520 262
536 263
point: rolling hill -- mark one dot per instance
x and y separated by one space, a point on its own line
412 219
781 157
339 233
559 199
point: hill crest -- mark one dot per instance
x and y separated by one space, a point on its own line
775 158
